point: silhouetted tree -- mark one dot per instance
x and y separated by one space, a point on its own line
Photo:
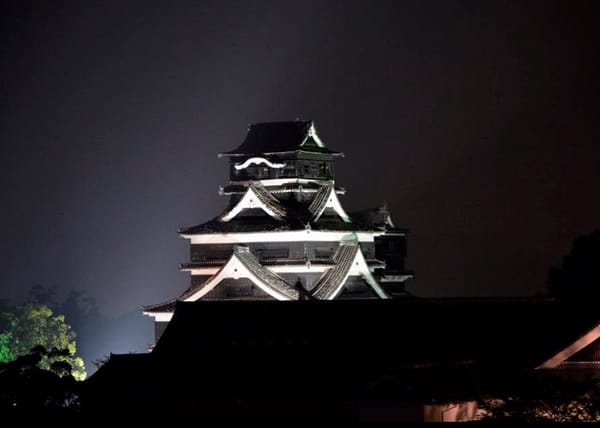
30 393
41 295
579 274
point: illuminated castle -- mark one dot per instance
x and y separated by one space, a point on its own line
285 235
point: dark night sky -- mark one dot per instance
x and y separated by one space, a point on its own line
476 121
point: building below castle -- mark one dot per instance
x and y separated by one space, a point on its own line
352 360
285 235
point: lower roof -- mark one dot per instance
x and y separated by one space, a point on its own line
499 331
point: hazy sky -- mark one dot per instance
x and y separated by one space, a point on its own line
476 121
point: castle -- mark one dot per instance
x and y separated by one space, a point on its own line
285 234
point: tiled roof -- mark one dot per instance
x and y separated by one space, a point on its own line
270 278
373 217
333 277
168 306
277 137
320 200
240 189
505 332
268 199
296 218
244 224
268 360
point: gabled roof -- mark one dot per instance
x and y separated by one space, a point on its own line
326 198
501 332
294 357
564 354
374 217
240 224
243 264
348 260
256 197
278 137
297 216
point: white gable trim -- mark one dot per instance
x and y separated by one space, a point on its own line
572 349
389 222
235 269
248 201
360 267
334 202
312 132
326 198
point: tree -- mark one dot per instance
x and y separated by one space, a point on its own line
579 274
30 393
28 326
545 399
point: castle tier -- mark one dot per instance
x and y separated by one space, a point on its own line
285 235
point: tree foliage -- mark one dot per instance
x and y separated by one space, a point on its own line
30 325
579 274
545 400
30 393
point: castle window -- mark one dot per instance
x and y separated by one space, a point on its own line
311 169
258 172
323 169
218 255
323 253
273 253
289 171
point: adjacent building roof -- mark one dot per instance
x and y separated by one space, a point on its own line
278 137
502 331
314 351
374 217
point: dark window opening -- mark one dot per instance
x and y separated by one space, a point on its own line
288 171
257 172
273 253
323 253
217 255
323 169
